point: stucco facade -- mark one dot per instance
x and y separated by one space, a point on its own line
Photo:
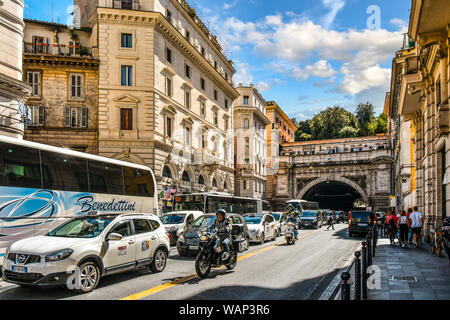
163 69
12 90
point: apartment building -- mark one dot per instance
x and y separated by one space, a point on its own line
250 149
165 93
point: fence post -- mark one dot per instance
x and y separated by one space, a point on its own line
364 270
374 240
369 248
357 275
345 286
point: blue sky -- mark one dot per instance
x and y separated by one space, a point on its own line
305 54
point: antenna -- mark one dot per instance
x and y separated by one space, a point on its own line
52 11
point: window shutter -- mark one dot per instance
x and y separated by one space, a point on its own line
36 84
68 116
41 115
78 86
84 117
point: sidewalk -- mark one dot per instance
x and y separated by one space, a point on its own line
424 276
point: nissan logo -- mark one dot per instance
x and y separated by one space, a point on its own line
21 258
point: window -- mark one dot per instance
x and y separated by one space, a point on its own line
187 136
202 83
188 36
216 118
225 185
167 173
127 40
155 224
126 119
202 50
76 117
37 116
215 94
226 104
19 167
186 177
246 185
105 178
204 143
127 73
246 123
226 124
202 108
123 228
215 65
38 44
187 98
75 85
34 80
214 183
187 71
201 180
64 172
141 226
246 100
169 127
169 15
247 146
438 93
226 76
169 55
74 48
169 86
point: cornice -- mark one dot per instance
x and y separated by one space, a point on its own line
41 60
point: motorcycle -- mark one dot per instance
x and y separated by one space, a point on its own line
210 255
437 242
290 233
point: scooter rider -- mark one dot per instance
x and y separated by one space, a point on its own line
223 227
293 220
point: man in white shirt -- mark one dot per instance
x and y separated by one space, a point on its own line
416 223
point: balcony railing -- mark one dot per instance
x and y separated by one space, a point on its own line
57 49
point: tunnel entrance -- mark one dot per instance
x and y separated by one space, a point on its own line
334 195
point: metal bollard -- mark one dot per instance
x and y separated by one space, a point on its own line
374 242
369 249
364 270
345 286
357 275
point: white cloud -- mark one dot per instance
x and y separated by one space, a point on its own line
229 5
321 68
401 25
262 86
243 74
357 80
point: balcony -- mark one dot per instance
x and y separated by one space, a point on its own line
57 49
126 4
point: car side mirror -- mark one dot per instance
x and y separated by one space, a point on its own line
115 237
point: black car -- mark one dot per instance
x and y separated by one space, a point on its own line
360 222
188 242
311 219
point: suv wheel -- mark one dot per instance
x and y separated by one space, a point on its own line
159 261
89 277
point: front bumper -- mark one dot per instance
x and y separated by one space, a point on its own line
254 237
189 246
308 224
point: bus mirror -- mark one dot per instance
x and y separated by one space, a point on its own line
115 237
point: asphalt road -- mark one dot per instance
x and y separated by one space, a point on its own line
271 271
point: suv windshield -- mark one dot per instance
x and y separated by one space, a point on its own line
252 220
309 214
83 227
363 215
173 218
276 216
204 221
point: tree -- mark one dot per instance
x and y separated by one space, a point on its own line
348 132
329 123
303 132
381 124
366 119
294 120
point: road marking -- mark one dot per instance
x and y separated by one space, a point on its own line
171 284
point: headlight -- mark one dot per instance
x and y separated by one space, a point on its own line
60 255
181 238
203 238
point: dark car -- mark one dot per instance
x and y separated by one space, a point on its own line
311 219
188 242
340 216
360 222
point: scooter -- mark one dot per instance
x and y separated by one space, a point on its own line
290 233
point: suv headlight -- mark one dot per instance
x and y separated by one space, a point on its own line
59 255
181 238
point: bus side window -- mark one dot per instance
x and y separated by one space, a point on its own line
64 172
138 182
19 167
105 178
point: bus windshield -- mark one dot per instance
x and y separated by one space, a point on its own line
173 218
309 213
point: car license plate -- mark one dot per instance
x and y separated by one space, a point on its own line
362 224
193 247
19 269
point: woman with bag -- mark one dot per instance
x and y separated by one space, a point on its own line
403 226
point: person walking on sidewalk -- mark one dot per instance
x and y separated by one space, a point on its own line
416 221
391 223
330 221
403 226
410 235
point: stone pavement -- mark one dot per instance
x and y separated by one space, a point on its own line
425 276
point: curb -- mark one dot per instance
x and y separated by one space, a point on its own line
331 292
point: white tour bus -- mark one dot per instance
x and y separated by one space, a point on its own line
42 186
301 205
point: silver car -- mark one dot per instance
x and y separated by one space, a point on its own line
261 227
281 222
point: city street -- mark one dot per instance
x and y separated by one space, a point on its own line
270 271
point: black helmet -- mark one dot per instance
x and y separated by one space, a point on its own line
222 212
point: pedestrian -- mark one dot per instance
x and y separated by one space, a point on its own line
391 224
416 221
383 221
330 221
403 226
410 235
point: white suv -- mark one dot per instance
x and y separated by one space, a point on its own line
81 250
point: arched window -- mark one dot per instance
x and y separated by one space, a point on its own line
186 177
201 180
246 123
214 183
167 173
225 185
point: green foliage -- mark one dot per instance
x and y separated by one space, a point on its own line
336 122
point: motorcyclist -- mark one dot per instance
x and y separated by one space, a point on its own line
223 227
293 220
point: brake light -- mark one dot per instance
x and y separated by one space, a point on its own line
350 219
